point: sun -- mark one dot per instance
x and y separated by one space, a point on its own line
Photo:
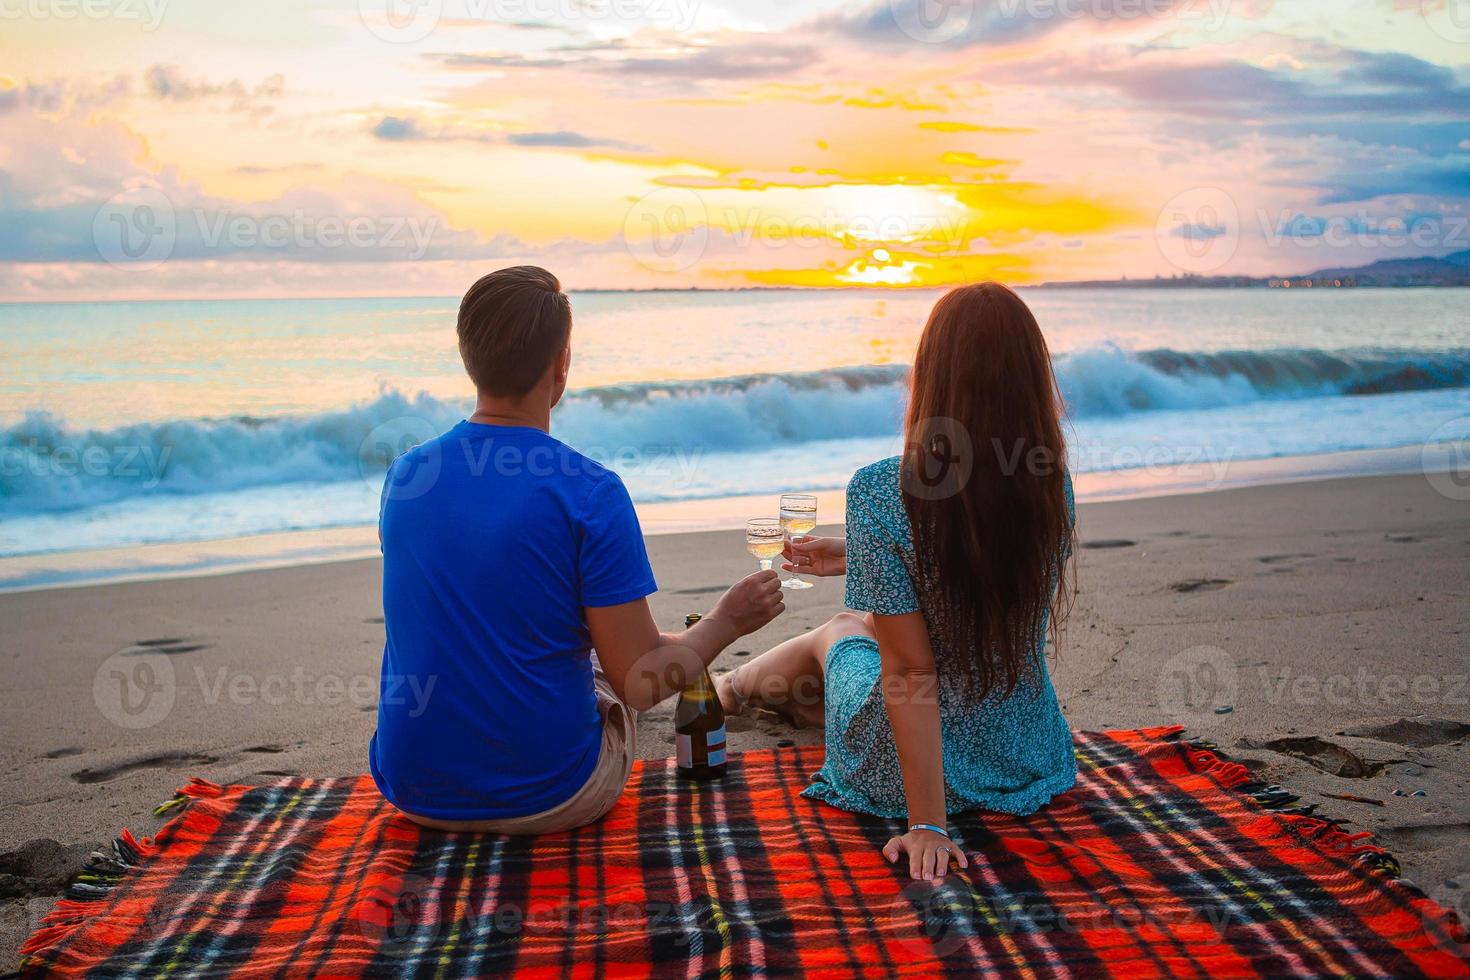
879 269
895 214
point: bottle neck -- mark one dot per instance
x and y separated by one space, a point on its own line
701 689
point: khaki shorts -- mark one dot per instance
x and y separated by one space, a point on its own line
597 796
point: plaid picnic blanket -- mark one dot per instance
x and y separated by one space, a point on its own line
1165 860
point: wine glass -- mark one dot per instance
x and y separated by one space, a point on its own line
798 517
763 538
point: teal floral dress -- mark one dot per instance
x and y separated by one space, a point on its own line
1010 754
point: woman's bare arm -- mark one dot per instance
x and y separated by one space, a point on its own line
911 695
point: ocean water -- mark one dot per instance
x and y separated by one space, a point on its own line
179 421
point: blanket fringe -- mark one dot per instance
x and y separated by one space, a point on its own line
195 789
1163 733
1231 775
88 894
1326 833
1301 819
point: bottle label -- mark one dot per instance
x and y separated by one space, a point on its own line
713 754
716 746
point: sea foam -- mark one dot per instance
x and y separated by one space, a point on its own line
46 465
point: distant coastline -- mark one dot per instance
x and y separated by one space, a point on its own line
1450 271
1423 273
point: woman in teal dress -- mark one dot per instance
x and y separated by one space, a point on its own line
934 689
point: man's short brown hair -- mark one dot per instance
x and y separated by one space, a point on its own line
512 324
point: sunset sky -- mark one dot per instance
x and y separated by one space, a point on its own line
193 148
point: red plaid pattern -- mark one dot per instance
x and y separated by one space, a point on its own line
1164 861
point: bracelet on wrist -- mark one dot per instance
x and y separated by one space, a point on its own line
929 827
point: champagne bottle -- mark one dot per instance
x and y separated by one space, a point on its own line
699 727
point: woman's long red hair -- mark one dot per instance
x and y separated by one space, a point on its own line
985 485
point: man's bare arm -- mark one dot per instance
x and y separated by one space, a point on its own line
645 666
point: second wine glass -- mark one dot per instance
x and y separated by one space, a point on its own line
798 517
763 538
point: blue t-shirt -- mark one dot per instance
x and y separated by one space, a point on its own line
494 539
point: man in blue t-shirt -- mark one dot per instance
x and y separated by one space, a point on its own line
508 557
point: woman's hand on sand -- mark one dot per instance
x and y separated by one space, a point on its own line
821 557
751 602
929 854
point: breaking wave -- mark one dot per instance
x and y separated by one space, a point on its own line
45 465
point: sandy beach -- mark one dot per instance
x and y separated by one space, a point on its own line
1315 631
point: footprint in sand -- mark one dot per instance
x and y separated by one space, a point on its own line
740 723
1402 538
172 645
1201 585
41 867
1430 837
161 761
1413 733
65 753
1108 543
1278 559
702 590
1327 756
